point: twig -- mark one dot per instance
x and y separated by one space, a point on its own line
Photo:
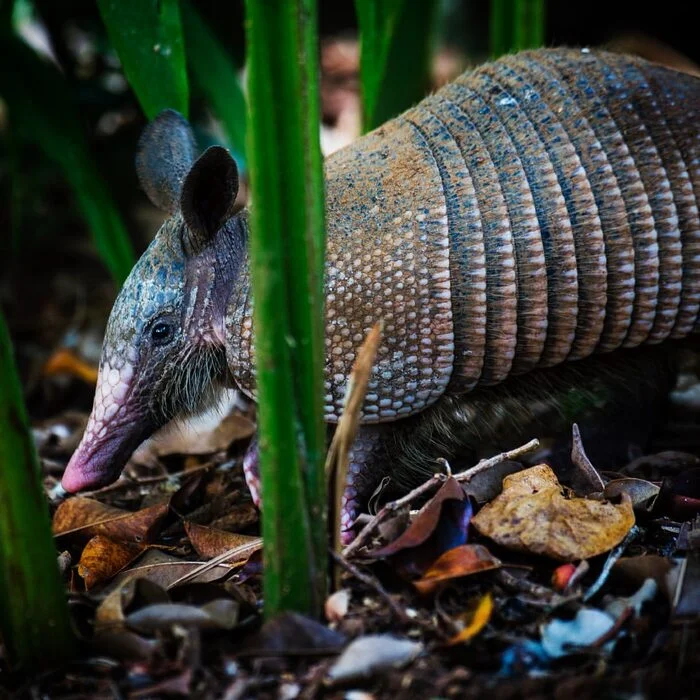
391 507
486 464
432 483
544 595
372 582
614 555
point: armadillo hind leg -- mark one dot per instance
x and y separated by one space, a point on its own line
617 402
367 465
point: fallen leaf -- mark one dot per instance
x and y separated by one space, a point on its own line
486 485
585 478
635 570
103 558
640 491
220 614
211 542
164 569
564 637
368 655
126 645
455 563
532 515
562 575
137 592
473 620
86 517
241 516
426 521
337 604
290 631
65 361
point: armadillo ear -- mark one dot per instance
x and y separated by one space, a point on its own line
208 196
164 157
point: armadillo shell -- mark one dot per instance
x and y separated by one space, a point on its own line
538 210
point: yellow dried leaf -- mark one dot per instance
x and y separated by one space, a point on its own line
532 515
475 621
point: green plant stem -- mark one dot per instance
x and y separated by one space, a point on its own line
34 622
397 39
516 25
214 72
286 252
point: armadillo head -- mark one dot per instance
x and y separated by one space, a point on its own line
164 349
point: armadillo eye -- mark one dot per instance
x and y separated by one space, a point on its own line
161 332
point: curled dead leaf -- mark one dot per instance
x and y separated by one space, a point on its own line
425 522
474 620
532 515
455 563
640 491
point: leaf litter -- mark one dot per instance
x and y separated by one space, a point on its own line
499 577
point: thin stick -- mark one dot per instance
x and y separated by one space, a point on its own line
374 585
432 483
614 555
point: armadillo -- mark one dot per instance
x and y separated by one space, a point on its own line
536 218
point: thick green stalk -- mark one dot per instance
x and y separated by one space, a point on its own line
286 252
516 25
214 72
34 623
397 41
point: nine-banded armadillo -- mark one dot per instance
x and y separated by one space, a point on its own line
539 210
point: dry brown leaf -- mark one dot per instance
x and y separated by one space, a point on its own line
103 558
210 542
425 522
532 515
86 517
165 569
461 561
110 614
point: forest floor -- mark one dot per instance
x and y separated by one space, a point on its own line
459 592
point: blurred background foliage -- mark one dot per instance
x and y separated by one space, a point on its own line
72 217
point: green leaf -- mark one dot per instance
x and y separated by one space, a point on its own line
286 259
215 73
42 109
396 40
147 35
34 622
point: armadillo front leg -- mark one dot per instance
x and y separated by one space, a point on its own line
368 462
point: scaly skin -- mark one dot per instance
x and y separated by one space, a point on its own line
539 210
